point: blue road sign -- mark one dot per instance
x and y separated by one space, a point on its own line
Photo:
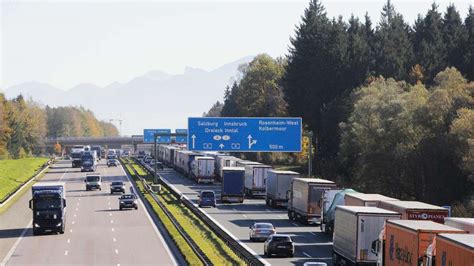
245 134
181 139
149 133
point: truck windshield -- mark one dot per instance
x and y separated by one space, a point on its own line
92 178
47 203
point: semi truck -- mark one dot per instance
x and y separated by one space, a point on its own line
332 199
277 187
415 210
305 199
225 161
89 161
233 179
76 157
203 169
255 179
355 229
48 204
363 199
405 242
466 224
451 249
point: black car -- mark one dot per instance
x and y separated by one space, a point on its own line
128 201
279 245
117 186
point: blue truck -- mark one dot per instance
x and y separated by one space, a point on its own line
48 204
233 184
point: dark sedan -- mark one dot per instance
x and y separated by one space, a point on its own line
279 245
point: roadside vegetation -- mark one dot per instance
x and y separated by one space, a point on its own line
390 105
14 173
217 251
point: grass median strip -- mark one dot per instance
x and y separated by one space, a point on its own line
216 249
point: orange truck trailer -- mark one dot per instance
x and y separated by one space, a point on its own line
363 199
415 210
450 250
406 241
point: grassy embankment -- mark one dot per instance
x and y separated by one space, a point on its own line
14 173
217 251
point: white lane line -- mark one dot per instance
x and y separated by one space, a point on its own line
77 209
111 221
70 230
113 229
165 245
306 254
65 253
74 215
77 204
109 202
68 240
244 215
116 251
10 253
314 233
79 199
118 264
110 208
73 222
294 224
110 214
113 239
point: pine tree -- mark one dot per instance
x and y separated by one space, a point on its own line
394 50
360 54
468 61
230 106
454 37
429 45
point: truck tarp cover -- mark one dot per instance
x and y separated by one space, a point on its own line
233 183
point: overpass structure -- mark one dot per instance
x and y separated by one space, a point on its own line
111 142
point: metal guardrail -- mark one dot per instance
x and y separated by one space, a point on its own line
11 193
239 250
194 246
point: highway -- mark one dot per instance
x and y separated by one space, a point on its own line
310 243
96 231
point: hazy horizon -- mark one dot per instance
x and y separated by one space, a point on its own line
66 43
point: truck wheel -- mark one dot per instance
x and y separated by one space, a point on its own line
136 208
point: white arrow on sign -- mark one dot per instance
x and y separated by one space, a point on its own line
194 140
221 146
251 141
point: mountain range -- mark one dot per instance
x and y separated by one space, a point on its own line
153 100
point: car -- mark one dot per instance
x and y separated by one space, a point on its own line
261 231
128 201
93 181
279 244
207 198
117 186
112 160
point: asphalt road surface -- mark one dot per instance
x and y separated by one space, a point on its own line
310 243
96 231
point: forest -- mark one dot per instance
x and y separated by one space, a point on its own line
390 105
24 124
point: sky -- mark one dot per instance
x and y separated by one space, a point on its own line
65 43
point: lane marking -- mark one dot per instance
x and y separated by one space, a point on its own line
70 230
244 215
170 254
73 222
314 233
110 214
116 251
65 253
111 221
306 254
74 215
113 229
10 253
77 209
77 204
68 240
294 224
110 208
109 202
113 239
